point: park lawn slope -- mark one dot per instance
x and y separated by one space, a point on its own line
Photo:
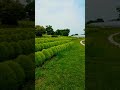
65 71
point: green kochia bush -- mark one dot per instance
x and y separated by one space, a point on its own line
8 79
18 71
27 65
50 52
32 57
39 47
54 50
39 58
46 53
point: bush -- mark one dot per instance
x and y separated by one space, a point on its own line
50 51
39 58
19 72
54 36
32 57
27 65
46 53
54 50
8 80
4 51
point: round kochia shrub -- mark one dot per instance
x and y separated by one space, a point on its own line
51 52
27 65
39 58
54 50
19 72
46 53
8 80
32 57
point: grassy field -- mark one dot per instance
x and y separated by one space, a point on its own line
66 71
102 60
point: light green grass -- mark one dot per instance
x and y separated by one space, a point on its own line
66 71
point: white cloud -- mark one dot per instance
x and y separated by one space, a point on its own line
60 14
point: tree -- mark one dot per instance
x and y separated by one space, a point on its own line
49 30
118 10
40 30
11 12
62 32
30 9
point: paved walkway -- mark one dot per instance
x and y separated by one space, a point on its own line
81 42
110 38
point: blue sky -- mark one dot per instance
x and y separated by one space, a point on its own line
61 14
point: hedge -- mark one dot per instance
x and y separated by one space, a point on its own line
50 52
8 79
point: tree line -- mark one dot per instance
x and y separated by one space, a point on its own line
40 30
11 11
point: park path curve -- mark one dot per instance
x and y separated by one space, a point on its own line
81 42
111 40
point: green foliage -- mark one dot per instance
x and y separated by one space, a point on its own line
19 72
8 79
46 53
49 30
50 52
27 65
30 8
39 30
64 32
11 12
39 58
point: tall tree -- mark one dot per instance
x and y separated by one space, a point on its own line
49 30
40 30
118 10
62 32
11 11
30 9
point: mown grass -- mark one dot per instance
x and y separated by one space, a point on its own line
102 60
66 71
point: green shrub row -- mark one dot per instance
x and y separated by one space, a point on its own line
16 37
14 73
39 47
11 31
45 54
46 40
13 49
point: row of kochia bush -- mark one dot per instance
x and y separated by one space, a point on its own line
45 54
39 47
15 73
16 37
11 31
10 50
45 40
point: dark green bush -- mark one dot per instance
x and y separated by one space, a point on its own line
54 36
50 51
32 57
8 80
54 50
19 72
27 65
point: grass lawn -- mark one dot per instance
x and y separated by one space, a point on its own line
66 71
102 60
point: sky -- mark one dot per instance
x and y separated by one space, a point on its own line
61 14
105 9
